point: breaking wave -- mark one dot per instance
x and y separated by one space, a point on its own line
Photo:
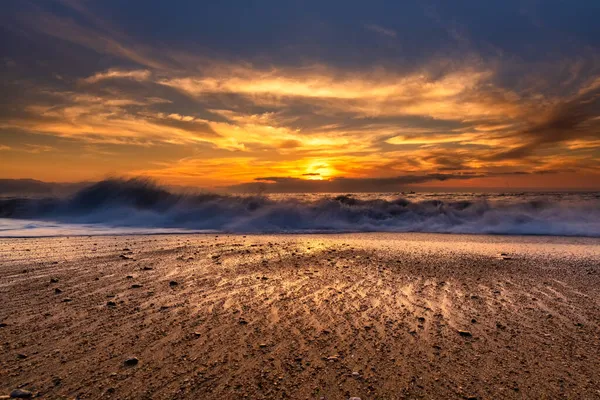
139 204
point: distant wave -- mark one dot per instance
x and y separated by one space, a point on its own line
139 203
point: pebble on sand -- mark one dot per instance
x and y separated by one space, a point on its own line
130 362
21 394
465 333
173 283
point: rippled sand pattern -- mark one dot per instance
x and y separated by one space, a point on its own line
377 316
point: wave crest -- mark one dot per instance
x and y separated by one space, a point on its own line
141 203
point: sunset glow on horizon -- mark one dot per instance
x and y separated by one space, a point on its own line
364 98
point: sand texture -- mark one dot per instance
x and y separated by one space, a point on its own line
374 316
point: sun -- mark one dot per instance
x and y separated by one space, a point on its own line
319 170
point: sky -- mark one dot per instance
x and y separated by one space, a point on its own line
303 95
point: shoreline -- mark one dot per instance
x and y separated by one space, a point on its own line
152 231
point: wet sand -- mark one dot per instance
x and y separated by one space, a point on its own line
374 316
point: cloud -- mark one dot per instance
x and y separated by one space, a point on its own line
37 148
470 110
35 187
90 32
576 118
276 184
137 75
381 30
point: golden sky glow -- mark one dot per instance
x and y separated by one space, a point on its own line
190 117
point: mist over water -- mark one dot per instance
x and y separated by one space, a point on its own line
138 206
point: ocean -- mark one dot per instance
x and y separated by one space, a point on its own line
116 207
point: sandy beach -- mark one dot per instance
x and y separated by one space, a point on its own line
373 316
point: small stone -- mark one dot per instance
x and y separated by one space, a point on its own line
354 398
136 286
129 277
262 345
355 374
242 321
53 280
147 269
130 362
173 283
3 325
465 333
67 300
57 291
21 394
21 356
111 304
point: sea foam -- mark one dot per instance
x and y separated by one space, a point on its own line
139 206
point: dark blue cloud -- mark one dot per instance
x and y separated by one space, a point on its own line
337 33
335 30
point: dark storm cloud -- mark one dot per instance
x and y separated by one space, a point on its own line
575 118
